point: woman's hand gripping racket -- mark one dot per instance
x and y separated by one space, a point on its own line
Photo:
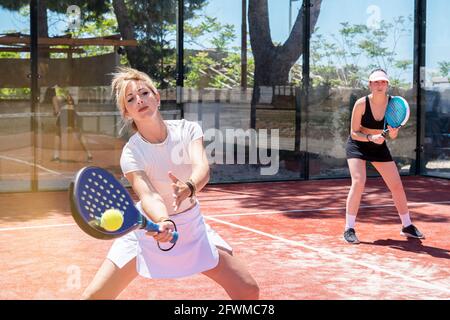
396 115
95 191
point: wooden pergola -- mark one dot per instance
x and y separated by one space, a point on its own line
18 42
68 70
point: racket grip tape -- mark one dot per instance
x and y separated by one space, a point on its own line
385 132
153 227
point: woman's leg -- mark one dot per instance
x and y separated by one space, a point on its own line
56 147
83 143
110 280
233 276
358 173
57 141
389 172
390 175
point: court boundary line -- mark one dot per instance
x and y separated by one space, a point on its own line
239 214
31 164
38 227
410 204
423 283
335 255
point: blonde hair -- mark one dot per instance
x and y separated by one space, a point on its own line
120 81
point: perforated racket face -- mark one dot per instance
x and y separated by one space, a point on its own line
397 112
95 191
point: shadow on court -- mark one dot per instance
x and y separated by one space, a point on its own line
411 245
325 199
310 200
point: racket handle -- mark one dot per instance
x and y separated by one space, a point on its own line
385 132
153 227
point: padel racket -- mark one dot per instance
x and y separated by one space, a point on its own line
94 191
397 113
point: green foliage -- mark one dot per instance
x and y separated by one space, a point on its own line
15 93
343 59
9 55
198 65
90 10
444 68
154 23
220 34
216 63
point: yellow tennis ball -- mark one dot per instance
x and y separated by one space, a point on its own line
112 220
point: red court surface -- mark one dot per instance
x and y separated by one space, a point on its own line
289 234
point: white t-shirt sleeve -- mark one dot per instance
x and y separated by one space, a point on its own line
131 159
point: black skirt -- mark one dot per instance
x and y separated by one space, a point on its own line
368 151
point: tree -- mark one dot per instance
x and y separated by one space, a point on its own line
444 68
214 62
89 10
346 57
152 24
273 62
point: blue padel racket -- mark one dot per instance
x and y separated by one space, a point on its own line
94 191
397 113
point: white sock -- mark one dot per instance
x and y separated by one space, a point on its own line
406 220
350 220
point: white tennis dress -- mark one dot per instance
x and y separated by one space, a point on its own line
196 248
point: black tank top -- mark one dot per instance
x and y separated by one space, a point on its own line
368 121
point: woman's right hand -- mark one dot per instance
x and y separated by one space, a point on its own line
377 138
166 232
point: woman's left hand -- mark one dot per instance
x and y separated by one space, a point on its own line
393 132
181 191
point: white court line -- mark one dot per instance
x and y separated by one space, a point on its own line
38 227
30 164
335 255
239 214
411 204
296 243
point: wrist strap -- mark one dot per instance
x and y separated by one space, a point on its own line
192 187
157 242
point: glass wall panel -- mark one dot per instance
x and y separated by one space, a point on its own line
244 97
79 123
16 152
350 39
242 83
436 92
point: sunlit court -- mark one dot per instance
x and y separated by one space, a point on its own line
288 233
220 150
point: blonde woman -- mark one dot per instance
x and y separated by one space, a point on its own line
366 143
166 165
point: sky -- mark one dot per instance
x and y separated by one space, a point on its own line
333 12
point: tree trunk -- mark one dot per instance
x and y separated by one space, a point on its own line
126 30
273 62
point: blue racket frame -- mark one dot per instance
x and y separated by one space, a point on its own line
95 190
397 113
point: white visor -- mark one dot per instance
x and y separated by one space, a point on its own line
378 76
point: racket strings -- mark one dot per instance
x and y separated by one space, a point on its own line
99 194
395 113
